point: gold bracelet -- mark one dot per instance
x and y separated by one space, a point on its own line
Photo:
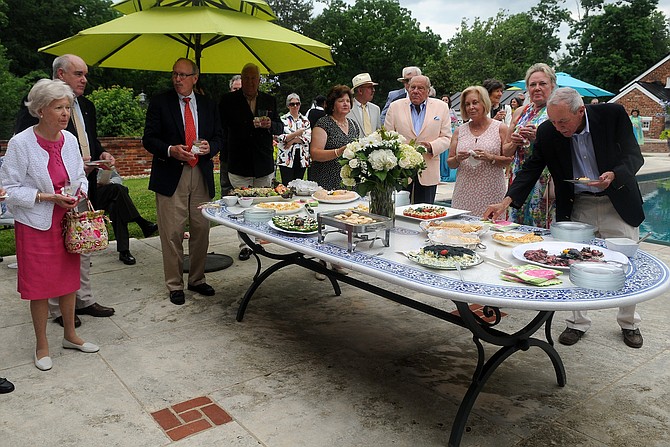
39 198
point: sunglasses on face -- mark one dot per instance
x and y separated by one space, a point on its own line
293 104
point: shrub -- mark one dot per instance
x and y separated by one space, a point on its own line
665 135
119 112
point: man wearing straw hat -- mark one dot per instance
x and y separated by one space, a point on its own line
363 111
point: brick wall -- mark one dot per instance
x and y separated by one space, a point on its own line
635 99
131 157
661 73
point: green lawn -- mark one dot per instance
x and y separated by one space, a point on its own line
145 202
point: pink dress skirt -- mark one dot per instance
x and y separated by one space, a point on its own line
46 269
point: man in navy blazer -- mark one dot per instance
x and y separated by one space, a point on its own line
72 70
182 180
407 74
595 142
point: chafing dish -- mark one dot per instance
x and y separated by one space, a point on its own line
356 233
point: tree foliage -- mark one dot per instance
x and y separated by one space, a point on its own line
34 24
613 43
119 112
501 47
13 89
293 14
375 36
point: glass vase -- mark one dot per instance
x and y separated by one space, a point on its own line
381 201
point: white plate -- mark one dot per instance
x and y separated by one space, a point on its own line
4 196
426 225
98 163
332 200
513 235
581 181
451 212
555 248
275 227
281 212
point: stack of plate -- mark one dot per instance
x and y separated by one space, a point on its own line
258 215
572 231
598 275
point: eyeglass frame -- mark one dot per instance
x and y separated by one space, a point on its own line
181 76
294 104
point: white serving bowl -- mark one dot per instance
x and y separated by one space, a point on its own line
258 215
229 200
623 245
245 202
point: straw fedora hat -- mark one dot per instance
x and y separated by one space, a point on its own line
360 79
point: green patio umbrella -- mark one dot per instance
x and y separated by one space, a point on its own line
256 8
219 41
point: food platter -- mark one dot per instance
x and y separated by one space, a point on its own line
332 196
451 212
464 226
425 258
514 238
281 207
555 248
274 226
581 181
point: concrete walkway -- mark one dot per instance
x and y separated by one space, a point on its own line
309 369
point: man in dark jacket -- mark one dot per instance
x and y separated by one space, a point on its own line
249 120
594 142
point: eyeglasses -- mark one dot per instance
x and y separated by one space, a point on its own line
406 80
293 104
181 76
541 84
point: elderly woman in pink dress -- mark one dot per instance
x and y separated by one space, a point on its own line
41 172
476 150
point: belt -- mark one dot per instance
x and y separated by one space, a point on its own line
591 193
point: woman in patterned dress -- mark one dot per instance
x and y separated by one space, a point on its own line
293 144
330 137
40 161
481 177
539 209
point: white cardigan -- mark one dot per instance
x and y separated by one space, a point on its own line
24 173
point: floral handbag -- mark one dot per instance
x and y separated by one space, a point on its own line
85 232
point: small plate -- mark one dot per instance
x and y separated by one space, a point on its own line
331 199
277 206
275 227
581 181
451 212
98 163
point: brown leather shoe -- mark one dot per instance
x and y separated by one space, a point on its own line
95 310
59 320
570 336
632 338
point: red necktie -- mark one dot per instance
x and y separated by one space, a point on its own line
189 130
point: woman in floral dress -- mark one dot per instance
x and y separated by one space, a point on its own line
539 208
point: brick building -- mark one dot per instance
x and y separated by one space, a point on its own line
648 93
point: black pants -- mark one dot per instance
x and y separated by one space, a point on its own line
420 193
288 174
114 199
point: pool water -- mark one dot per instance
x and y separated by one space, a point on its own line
656 196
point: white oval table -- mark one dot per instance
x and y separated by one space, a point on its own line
648 278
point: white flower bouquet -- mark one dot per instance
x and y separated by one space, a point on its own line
382 160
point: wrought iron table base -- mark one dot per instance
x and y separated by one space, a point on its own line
481 330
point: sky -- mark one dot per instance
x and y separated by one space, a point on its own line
444 16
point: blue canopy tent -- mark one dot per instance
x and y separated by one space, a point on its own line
565 80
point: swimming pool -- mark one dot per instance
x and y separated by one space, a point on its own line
656 196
